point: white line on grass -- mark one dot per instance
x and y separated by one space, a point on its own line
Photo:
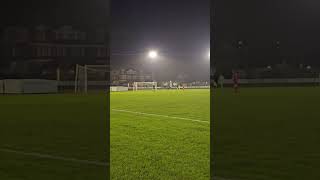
46 156
159 115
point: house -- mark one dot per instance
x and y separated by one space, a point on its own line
130 75
33 52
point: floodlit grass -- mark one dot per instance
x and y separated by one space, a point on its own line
64 126
154 145
74 127
260 134
267 133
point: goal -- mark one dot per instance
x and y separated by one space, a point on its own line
91 78
145 86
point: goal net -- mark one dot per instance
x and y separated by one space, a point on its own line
91 78
145 86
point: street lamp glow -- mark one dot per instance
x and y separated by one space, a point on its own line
209 55
153 54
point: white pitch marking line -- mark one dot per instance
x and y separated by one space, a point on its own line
159 115
46 156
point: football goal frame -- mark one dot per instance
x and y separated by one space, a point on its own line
144 85
81 77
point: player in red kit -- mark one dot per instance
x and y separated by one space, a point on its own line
235 78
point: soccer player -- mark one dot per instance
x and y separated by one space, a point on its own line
216 81
235 78
221 80
135 86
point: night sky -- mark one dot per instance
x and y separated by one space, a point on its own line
55 12
179 30
294 23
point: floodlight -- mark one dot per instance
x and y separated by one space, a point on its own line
153 54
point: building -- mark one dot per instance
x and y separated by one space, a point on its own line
34 52
125 76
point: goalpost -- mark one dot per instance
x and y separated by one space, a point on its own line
91 77
144 85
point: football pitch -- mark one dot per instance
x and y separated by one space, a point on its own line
160 135
154 135
52 137
260 134
267 133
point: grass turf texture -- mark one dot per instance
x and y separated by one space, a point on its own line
267 133
68 126
65 126
145 146
260 134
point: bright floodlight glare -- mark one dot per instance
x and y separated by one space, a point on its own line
209 54
153 54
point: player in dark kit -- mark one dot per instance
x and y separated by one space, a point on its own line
216 80
235 78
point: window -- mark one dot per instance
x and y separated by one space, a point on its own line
59 36
43 36
77 36
64 52
101 52
40 36
34 51
49 51
65 36
38 51
54 51
70 36
14 52
59 51
44 51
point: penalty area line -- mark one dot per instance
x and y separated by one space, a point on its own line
159 115
52 157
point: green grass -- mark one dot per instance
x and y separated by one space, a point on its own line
58 125
145 146
69 126
267 133
260 134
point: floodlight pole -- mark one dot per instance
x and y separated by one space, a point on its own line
152 55
152 75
